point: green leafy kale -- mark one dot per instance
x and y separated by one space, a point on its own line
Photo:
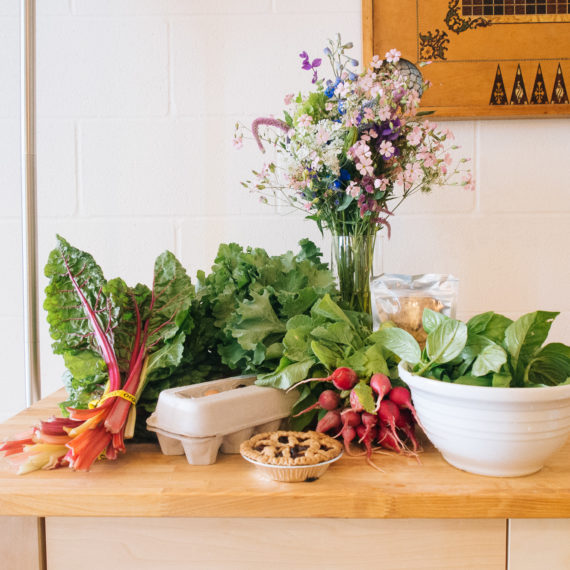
249 296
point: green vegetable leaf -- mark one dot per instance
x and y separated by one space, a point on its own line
446 341
365 396
490 359
550 366
432 319
490 325
328 309
398 341
501 380
256 320
287 374
473 380
328 357
523 338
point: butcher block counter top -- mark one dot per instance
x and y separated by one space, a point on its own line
145 483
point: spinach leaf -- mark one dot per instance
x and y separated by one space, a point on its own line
490 359
445 342
432 319
490 325
523 338
550 366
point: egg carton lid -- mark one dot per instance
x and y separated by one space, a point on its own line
239 404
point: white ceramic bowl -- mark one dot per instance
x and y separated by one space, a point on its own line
502 432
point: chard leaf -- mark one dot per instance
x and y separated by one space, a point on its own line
490 359
172 293
69 326
84 364
398 341
432 319
162 363
446 341
365 396
287 374
550 366
524 337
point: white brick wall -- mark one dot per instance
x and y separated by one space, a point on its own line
137 100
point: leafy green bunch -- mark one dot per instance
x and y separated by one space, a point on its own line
326 339
489 350
249 296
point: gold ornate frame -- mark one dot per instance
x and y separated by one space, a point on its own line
489 58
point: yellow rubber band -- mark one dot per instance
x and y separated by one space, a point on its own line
114 394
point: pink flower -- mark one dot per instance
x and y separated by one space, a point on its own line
415 137
386 149
368 114
322 136
238 142
393 56
288 98
353 189
304 120
384 113
376 62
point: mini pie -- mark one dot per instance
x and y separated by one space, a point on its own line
287 448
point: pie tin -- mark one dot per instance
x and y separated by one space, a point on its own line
293 473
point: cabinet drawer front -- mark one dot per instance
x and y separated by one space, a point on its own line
251 544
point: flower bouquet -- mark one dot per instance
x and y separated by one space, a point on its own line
349 152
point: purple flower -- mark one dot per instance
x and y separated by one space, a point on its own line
308 65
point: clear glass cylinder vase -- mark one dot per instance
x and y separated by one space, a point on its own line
352 266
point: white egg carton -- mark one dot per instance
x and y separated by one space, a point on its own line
189 421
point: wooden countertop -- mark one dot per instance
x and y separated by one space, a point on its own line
145 483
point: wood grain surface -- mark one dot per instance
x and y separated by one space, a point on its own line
145 483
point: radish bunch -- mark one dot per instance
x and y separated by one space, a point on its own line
389 423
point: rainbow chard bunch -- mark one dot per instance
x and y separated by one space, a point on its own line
113 338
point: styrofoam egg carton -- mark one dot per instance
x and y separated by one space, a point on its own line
201 419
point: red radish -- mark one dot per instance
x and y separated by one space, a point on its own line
328 400
367 436
406 424
402 398
348 434
381 384
350 418
389 415
343 378
331 420
369 421
387 440
355 403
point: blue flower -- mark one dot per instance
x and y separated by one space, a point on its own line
341 108
344 175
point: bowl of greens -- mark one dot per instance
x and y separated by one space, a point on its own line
489 394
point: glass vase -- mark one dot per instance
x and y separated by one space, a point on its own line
352 265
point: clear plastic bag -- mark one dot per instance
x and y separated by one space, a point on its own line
403 298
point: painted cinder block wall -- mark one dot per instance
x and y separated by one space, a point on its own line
137 101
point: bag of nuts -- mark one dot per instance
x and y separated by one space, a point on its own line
403 298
